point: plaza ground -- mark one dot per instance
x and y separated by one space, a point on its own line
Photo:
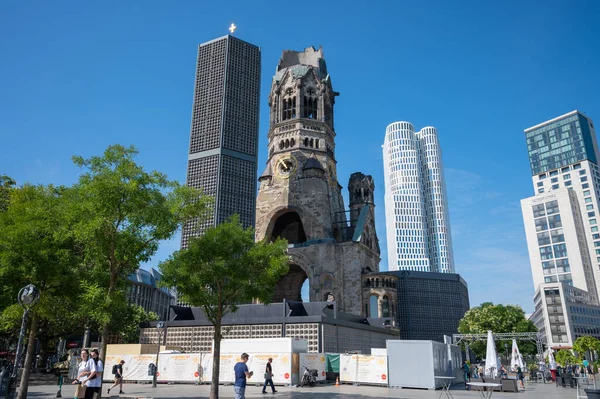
532 391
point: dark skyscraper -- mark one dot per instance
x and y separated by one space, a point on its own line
224 129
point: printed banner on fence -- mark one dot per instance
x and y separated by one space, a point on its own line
314 361
281 366
136 369
364 368
179 367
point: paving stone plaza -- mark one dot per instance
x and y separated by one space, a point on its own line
532 391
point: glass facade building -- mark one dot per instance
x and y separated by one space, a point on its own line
223 148
561 225
417 221
561 141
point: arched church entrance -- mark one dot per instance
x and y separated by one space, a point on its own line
289 226
290 285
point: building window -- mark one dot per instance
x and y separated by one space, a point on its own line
310 104
557 236
540 190
584 179
582 172
594 229
554 221
565 169
589 207
543 238
591 214
588 200
542 176
373 306
546 253
586 193
385 307
577 166
539 210
555 187
568 183
554 173
540 184
554 180
585 185
552 207
567 176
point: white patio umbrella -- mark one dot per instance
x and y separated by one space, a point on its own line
551 361
516 358
491 357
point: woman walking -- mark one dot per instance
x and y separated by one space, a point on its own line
94 384
85 372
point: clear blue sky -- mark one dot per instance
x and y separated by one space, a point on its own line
78 76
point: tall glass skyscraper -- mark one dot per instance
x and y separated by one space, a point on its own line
416 208
561 225
224 130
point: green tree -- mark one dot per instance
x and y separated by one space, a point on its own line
222 268
586 344
36 247
6 184
121 213
129 332
499 319
564 357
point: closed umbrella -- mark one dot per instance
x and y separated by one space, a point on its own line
551 361
491 357
516 359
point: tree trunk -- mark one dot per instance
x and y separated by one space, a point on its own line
23 387
214 388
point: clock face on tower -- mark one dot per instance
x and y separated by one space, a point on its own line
286 166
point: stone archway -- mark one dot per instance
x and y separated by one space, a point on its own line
290 285
289 226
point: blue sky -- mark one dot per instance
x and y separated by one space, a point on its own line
76 77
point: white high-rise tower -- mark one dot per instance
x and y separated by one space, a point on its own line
416 209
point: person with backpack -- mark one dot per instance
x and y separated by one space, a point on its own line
117 371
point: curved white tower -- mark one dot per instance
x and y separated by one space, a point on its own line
417 223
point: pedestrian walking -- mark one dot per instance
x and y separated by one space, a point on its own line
520 375
466 373
241 374
94 384
118 373
269 377
85 370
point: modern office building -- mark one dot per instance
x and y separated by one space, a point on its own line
224 130
422 305
416 206
145 292
561 225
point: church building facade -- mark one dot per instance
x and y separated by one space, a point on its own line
300 198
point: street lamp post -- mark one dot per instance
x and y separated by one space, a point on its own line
28 297
159 327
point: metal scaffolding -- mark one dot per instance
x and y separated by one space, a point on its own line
519 336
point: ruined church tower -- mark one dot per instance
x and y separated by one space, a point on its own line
299 196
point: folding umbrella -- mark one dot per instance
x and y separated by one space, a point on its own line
516 359
491 357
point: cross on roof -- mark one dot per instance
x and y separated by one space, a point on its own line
232 28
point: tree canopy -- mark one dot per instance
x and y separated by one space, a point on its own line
565 357
36 247
586 344
223 268
498 319
121 212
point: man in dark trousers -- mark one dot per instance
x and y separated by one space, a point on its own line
269 377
